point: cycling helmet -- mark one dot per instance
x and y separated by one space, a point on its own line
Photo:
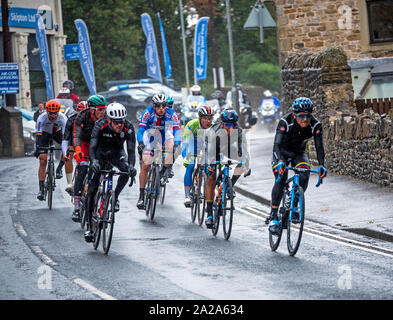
229 115
195 90
116 111
204 111
52 106
68 84
302 104
267 94
81 106
96 102
239 86
159 98
170 101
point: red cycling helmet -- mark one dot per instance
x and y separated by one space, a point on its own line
53 106
81 106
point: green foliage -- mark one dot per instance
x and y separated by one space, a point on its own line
118 42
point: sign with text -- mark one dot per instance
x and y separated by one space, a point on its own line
71 51
25 18
9 78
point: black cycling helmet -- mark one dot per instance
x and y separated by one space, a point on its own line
302 104
229 115
68 84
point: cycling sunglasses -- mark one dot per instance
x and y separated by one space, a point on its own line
158 106
303 116
118 121
207 117
230 124
52 113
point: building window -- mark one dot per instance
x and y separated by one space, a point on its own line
380 19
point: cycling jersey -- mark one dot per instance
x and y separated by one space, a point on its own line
105 143
68 138
233 146
167 125
84 124
45 125
291 139
192 138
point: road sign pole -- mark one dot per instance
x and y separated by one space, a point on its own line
235 101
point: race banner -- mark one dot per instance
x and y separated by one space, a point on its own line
168 68
44 54
85 56
200 49
151 54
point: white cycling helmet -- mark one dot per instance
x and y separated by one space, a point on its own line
159 98
267 93
195 88
64 91
116 111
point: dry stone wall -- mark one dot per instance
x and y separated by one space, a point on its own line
355 145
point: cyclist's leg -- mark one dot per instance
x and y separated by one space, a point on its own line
69 168
121 163
188 178
43 142
301 161
83 169
57 136
91 192
209 196
147 159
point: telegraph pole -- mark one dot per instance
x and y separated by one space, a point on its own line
10 98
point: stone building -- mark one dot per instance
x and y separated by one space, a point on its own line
32 88
363 28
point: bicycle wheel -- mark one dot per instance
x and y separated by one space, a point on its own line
216 217
108 221
96 219
83 207
162 194
274 239
194 195
202 201
50 184
227 212
153 193
296 222
148 191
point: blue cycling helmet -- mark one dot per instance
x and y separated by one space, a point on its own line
302 104
229 115
169 101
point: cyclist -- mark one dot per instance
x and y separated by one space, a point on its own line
67 146
50 126
293 131
70 85
169 102
106 145
159 127
191 144
228 139
83 128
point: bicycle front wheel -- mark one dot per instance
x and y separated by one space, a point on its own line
216 217
108 221
227 212
153 193
96 219
296 222
194 195
83 206
50 185
202 201
162 194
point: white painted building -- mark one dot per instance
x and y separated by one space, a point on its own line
32 88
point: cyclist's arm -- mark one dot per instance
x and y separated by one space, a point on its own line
318 140
131 148
176 129
78 130
142 126
278 139
94 142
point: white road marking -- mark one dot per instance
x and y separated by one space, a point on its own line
43 256
340 240
93 289
19 229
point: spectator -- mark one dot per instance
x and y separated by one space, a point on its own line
41 110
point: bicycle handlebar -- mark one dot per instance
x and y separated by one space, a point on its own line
49 148
115 172
297 170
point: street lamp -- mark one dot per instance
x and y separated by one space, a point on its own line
259 18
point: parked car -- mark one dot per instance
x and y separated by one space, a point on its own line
134 99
